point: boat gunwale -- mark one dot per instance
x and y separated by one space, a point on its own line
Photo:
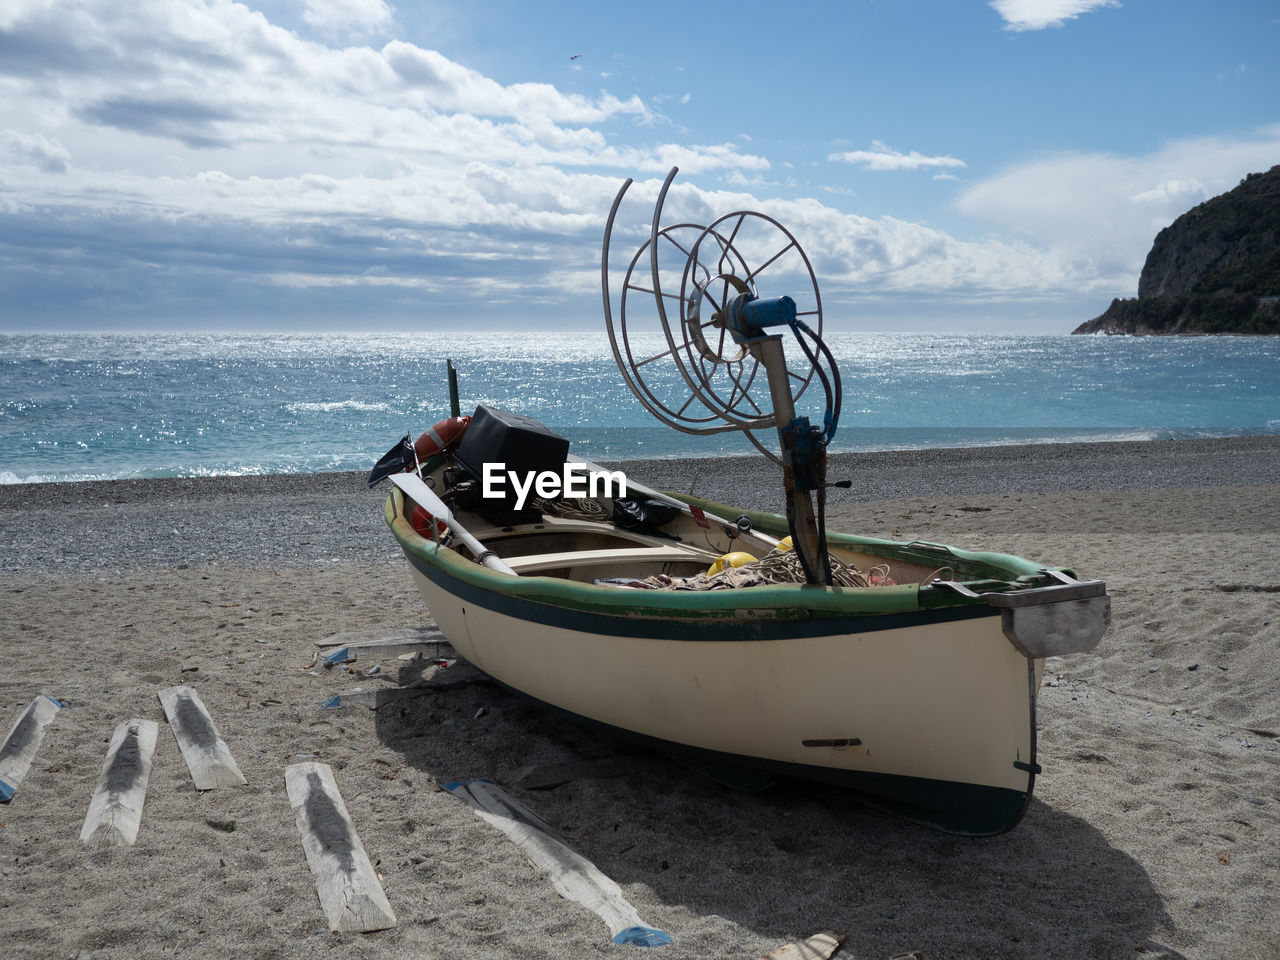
919 552
773 603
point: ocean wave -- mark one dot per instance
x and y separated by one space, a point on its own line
334 463
229 405
8 477
328 406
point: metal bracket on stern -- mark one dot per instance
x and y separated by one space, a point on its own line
1067 617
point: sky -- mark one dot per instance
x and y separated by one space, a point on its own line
312 165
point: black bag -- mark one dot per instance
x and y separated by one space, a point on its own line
642 513
396 460
517 442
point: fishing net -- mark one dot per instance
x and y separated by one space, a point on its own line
777 566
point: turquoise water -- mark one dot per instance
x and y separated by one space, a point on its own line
84 406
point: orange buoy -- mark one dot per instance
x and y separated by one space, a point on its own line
445 435
421 521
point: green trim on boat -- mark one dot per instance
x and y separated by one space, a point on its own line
780 602
784 601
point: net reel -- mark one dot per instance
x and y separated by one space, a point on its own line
693 342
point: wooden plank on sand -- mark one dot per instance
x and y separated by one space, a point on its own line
382 637
115 812
208 757
820 946
573 875
352 897
24 739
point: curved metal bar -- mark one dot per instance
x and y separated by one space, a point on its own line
729 409
691 260
628 367
705 362
654 233
631 365
762 448
699 359
604 286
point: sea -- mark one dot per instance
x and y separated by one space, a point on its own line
114 406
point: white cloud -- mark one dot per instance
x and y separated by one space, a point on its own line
222 153
1039 14
173 153
35 150
1101 212
368 16
856 258
881 157
1181 192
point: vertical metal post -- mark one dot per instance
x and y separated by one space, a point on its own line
800 517
454 409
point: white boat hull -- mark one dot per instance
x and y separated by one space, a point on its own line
930 713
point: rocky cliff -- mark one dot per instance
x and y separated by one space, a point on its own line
1216 269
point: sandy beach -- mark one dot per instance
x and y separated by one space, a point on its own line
1154 832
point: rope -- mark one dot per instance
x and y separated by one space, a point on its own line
580 509
775 567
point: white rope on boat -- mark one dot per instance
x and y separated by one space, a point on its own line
573 509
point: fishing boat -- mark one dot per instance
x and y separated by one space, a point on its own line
751 646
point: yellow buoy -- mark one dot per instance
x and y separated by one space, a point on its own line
783 545
735 559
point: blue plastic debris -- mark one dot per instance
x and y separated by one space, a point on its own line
642 937
341 655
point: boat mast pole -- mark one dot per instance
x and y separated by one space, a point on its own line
804 449
455 408
796 468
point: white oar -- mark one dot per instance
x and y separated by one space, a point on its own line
412 486
672 501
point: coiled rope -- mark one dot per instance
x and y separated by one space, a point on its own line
777 566
576 509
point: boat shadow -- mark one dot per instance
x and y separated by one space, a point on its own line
794 859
